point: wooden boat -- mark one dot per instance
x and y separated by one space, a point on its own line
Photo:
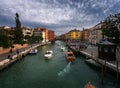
70 56
48 54
93 63
33 52
89 85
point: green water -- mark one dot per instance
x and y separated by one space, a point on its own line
36 72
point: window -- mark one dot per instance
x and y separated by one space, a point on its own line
112 50
106 50
99 49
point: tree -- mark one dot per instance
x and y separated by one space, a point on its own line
111 27
18 35
27 37
35 39
5 42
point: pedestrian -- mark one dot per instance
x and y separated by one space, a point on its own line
11 50
9 57
18 55
17 51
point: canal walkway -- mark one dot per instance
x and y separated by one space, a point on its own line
15 56
92 52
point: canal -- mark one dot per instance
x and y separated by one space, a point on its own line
37 72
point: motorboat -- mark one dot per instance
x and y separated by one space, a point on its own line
62 48
89 85
33 51
58 44
70 56
48 54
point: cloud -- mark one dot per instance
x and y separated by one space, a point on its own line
59 13
43 12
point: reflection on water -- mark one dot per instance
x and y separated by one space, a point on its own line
65 70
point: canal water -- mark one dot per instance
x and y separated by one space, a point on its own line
37 72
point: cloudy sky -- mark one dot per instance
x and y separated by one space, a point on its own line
58 15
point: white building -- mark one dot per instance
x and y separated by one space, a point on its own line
27 31
95 34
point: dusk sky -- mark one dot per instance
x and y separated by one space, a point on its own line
58 15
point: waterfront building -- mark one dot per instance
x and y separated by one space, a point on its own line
47 35
67 36
27 31
8 30
51 35
74 34
5 28
95 34
43 35
61 37
37 32
85 34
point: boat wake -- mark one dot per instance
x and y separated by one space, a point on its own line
65 70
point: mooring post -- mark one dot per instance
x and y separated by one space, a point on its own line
105 67
117 72
92 55
102 74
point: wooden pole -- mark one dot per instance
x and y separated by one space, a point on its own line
102 74
105 67
117 73
92 55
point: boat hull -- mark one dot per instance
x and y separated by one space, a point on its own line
71 59
89 85
48 54
92 63
33 52
70 56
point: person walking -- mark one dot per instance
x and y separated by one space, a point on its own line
11 50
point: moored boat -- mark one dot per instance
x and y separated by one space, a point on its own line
33 51
93 63
89 85
70 56
48 54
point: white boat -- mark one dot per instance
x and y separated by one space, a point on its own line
62 48
33 51
48 54
58 44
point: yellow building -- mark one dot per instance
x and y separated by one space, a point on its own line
74 34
